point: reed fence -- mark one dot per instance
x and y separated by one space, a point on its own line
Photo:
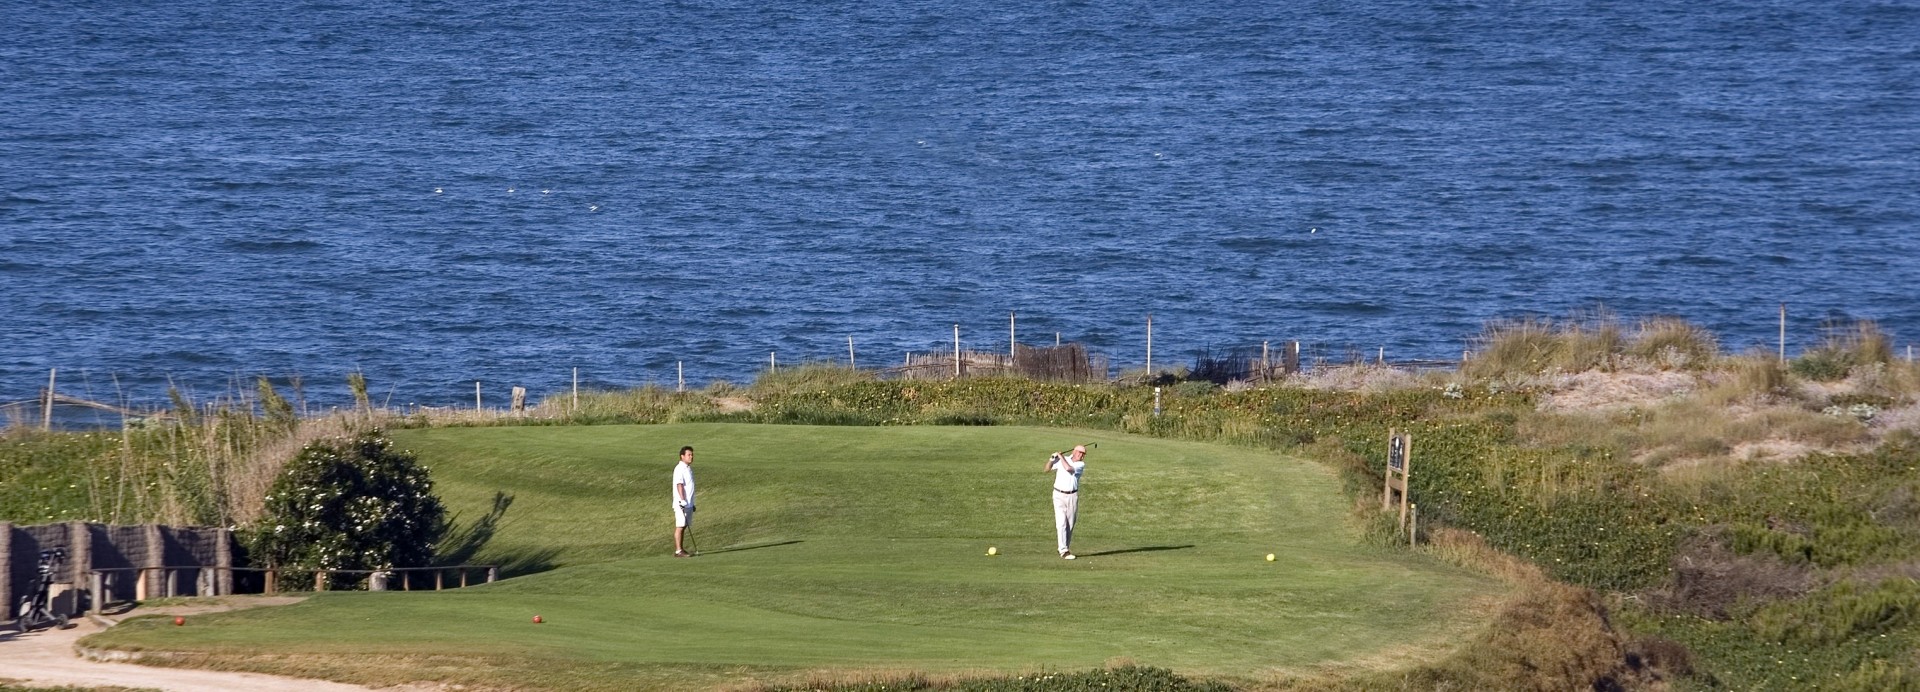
108 564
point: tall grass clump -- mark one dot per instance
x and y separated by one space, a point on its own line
194 464
1845 348
1756 377
1672 343
1531 346
1513 348
811 375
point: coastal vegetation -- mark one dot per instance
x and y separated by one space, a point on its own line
1665 512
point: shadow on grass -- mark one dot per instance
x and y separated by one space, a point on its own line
755 546
1143 549
462 543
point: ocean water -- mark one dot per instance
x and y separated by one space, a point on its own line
437 193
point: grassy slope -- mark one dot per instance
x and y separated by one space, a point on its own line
833 548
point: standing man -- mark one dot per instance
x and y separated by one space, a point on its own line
682 501
1066 495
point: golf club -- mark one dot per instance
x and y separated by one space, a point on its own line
1089 445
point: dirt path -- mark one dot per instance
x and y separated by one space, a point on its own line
47 657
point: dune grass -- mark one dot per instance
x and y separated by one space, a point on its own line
851 553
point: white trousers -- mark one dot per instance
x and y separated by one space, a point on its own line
1066 507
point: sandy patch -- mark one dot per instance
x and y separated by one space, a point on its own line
1613 391
50 658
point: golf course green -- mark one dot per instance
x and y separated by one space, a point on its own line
842 551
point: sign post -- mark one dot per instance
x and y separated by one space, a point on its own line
1399 470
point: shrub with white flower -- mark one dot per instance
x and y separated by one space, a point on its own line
348 504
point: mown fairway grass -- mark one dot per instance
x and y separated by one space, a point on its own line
845 552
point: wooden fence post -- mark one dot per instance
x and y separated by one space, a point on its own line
156 557
1149 344
97 600
1783 332
46 420
6 565
223 561
519 399
79 555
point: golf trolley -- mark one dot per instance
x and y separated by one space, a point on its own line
35 610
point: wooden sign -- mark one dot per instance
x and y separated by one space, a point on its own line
1399 470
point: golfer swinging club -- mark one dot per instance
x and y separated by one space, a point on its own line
1066 494
682 501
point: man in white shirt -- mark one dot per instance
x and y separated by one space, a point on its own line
682 500
1066 495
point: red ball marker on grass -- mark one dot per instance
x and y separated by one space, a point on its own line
537 620
178 621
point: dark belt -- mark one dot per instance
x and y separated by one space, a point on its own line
1065 492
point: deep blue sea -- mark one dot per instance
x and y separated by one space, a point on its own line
442 192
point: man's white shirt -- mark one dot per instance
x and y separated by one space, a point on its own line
1066 474
682 475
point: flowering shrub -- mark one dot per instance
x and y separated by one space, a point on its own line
349 504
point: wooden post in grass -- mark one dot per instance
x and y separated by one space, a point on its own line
519 399
46 416
576 391
476 395
1292 364
1783 332
1266 366
680 375
6 567
851 363
773 364
1399 470
956 351
1013 337
1149 344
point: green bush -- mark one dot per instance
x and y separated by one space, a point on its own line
349 504
1839 613
1733 655
1821 366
